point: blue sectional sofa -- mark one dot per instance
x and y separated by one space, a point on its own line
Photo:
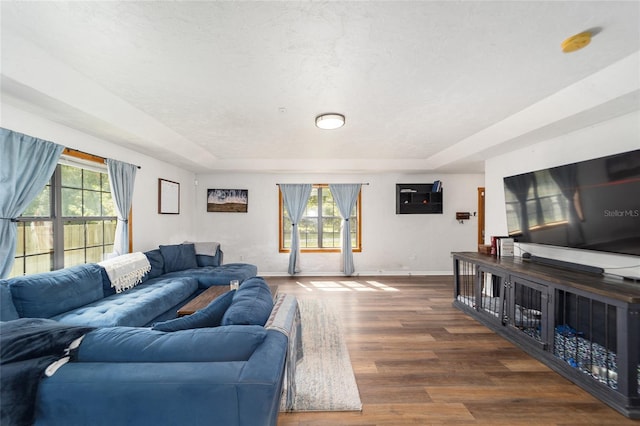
83 295
224 367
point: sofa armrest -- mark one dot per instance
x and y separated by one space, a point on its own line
263 386
133 344
281 350
285 318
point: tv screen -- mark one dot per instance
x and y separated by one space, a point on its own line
592 204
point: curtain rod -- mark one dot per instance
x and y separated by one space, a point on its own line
366 183
92 155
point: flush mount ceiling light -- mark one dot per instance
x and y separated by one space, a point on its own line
330 121
576 42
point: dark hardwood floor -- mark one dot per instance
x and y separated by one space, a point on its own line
419 361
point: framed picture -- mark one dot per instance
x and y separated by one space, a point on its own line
168 197
227 200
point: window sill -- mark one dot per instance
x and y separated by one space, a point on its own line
316 250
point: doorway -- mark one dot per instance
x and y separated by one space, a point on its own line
481 215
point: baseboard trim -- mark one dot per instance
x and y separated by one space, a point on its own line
357 274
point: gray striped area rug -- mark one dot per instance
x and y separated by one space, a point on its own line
324 378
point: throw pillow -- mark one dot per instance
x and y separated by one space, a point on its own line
157 264
7 310
178 257
210 316
205 260
252 304
107 290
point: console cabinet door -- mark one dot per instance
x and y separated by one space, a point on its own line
465 276
491 294
527 310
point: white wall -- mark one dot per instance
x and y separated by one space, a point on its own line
610 137
392 244
149 228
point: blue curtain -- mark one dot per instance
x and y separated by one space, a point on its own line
345 196
26 164
295 197
121 178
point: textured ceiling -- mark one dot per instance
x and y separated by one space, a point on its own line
424 85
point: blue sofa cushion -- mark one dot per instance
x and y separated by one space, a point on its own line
157 264
132 344
210 316
48 294
179 257
7 310
252 304
206 260
136 307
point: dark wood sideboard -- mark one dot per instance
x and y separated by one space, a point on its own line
584 326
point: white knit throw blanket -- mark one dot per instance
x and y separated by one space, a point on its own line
126 271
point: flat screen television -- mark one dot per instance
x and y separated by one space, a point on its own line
593 205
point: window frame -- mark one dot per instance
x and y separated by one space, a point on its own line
58 221
281 212
23 221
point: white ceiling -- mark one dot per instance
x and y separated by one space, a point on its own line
425 85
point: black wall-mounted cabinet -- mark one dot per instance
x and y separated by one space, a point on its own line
417 198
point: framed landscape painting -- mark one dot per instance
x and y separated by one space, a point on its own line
227 200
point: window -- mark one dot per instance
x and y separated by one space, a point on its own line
72 221
320 224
